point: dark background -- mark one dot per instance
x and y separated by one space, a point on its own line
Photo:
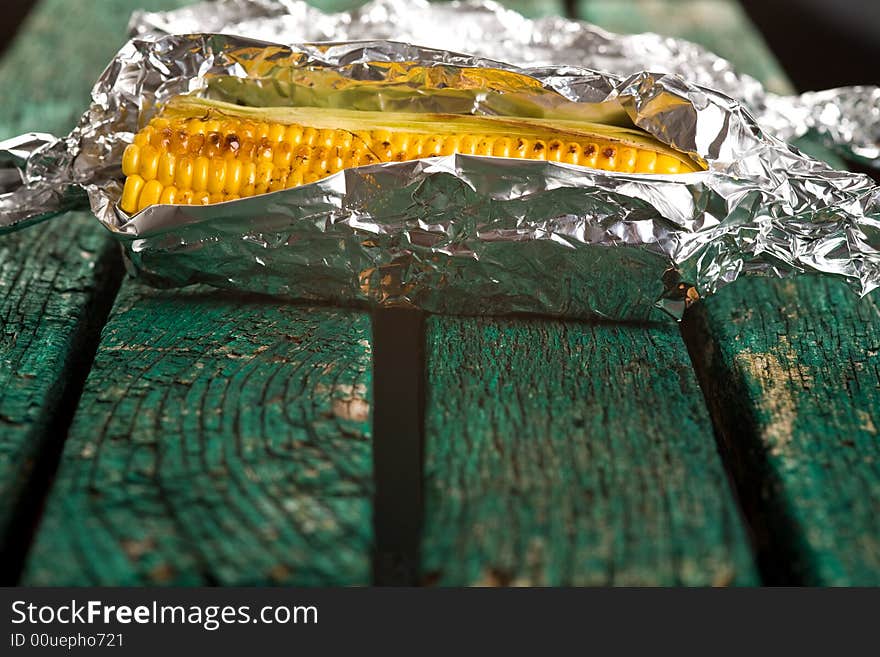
820 43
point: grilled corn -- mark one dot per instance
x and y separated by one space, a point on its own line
199 151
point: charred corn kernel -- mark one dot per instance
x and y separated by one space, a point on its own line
279 179
484 146
215 152
555 150
607 158
162 139
283 155
502 147
264 177
295 179
150 194
591 152
539 151
134 184
572 154
521 148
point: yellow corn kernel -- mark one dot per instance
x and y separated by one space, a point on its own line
216 175
149 162
667 164
502 147
169 195
150 195
165 173
626 159
131 159
646 161
201 166
134 184
183 173
234 171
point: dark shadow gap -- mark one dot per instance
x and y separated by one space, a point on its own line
773 533
398 444
14 14
52 432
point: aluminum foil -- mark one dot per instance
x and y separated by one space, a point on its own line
465 234
847 120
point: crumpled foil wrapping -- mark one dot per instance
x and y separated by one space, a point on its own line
469 234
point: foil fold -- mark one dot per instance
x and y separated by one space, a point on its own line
469 234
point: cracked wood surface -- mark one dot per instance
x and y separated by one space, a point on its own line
564 453
792 371
790 368
219 440
58 278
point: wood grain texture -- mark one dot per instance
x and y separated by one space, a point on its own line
54 296
57 279
790 369
572 454
220 440
793 373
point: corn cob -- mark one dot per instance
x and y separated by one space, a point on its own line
200 151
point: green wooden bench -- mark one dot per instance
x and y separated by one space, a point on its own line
202 437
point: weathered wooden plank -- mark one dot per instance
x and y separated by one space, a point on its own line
569 453
219 440
57 287
791 371
57 279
